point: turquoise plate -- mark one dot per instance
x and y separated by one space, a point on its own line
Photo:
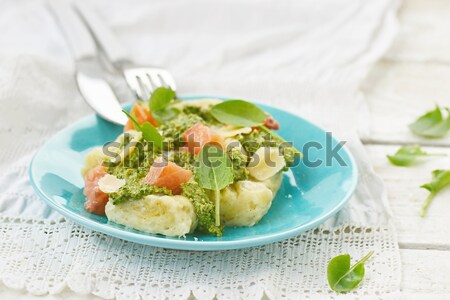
308 196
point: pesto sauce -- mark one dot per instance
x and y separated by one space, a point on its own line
239 163
204 208
172 131
205 114
133 169
256 139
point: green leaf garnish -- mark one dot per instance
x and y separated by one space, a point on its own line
165 115
341 277
149 133
440 180
432 124
407 155
160 98
238 113
243 113
214 172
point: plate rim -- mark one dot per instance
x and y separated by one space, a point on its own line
181 244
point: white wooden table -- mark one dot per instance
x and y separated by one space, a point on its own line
412 77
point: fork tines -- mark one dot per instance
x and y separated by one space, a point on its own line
143 81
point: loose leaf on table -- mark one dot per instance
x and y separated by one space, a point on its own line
342 277
149 133
407 155
214 172
440 180
161 98
433 124
238 113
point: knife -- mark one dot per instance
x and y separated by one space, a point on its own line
90 75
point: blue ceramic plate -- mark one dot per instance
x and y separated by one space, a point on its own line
308 196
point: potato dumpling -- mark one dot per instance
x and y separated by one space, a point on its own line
246 202
274 182
167 215
93 159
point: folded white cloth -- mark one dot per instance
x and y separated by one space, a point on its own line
307 57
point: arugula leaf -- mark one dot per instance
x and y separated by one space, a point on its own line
149 133
432 124
407 155
160 98
238 113
440 180
214 172
341 277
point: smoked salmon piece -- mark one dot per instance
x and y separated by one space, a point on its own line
95 199
198 136
167 174
271 123
142 114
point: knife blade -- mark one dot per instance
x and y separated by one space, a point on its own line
90 75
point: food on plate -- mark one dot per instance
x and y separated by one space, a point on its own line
182 167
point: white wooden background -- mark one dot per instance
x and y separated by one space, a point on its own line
412 77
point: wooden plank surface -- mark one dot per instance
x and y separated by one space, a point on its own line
406 198
411 79
426 272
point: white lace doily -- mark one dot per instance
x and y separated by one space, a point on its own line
47 256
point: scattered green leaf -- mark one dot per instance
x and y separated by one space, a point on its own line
341 277
407 155
433 124
149 133
440 180
161 98
214 172
238 113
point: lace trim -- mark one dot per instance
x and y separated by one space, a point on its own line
43 257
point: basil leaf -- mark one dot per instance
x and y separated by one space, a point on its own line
432 124
214 172
238 113
341 277
440 180
165 115
136 123
160 98
407 155
149 133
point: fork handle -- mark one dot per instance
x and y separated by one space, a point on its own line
102 34
77 35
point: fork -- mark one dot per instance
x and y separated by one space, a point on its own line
142 80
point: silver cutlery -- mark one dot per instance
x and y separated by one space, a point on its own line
90 74
142 80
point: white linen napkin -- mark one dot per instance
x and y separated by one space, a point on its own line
307 57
